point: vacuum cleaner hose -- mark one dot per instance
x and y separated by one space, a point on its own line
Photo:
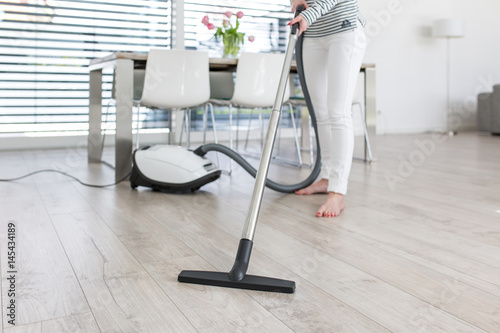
202 150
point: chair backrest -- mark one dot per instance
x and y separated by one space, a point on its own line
257 79
221 85
176 79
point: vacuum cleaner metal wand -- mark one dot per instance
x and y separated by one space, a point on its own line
265 160
237 278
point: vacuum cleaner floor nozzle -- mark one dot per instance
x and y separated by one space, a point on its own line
251 282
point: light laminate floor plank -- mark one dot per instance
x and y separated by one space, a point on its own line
45 285
84 323
122 296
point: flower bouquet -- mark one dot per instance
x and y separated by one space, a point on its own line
231 38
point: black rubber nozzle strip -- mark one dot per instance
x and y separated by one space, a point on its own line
237 277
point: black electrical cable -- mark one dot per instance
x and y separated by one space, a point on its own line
65 174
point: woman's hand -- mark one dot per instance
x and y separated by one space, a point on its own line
296 3
303 24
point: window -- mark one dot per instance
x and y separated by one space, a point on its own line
45 48
266 20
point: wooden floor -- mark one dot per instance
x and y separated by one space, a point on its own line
417 248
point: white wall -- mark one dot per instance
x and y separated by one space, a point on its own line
411 65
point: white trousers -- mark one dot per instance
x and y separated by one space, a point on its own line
331 68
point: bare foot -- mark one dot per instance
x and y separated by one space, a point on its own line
320 186
332 206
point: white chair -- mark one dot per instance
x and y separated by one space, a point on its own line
176 79
257 80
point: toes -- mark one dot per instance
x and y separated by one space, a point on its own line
326 213
329 209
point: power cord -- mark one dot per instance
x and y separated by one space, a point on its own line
65 174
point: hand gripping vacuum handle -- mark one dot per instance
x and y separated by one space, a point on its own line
298 10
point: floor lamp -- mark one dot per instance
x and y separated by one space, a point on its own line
448 28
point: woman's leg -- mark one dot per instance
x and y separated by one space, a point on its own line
315 56
344 62
345 54
345 57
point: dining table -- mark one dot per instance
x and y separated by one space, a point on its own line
124 64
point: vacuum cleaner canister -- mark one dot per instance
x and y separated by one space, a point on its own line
171 169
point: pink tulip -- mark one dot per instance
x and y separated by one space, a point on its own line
225 23
228 14
205 20
239 14
251 39
210 26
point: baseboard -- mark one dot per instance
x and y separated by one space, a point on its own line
79 140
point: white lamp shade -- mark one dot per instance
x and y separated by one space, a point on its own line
448 28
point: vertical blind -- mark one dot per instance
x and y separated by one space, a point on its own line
45 48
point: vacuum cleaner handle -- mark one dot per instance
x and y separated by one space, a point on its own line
298 10
265 159
237 278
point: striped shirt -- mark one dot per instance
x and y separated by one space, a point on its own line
326 17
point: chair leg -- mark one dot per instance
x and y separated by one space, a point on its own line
278 138
137 126
169 126
311 148
295 134
365 130
231 126
188 127
205 112
211 107
261 122
231 136
237 127
184 117
249 127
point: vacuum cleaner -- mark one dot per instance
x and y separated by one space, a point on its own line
159 167
171 169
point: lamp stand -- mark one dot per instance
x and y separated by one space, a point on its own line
449 130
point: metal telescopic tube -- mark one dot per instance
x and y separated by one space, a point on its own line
265 160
